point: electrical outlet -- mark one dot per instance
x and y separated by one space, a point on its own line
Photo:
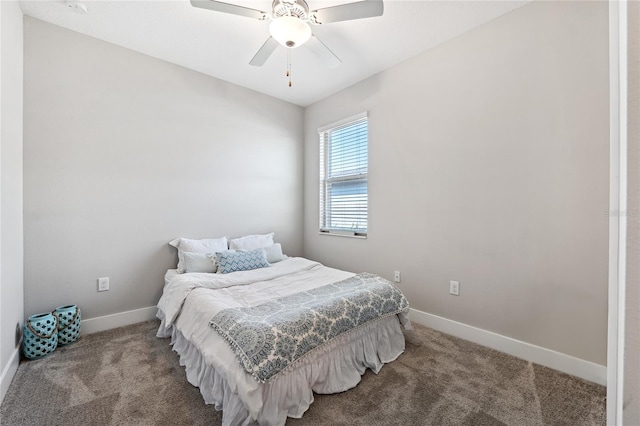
103 284
454 288
396 276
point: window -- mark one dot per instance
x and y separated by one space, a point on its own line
343 177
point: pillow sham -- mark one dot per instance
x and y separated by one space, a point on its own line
274 253
229 261
207 245
199 262
252 242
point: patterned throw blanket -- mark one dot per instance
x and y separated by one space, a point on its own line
269 338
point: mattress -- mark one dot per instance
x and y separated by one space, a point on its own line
189 301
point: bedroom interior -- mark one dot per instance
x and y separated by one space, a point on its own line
491 163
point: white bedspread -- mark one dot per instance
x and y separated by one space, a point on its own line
188 303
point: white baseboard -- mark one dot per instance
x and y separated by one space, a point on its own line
107 322
549 358
9 371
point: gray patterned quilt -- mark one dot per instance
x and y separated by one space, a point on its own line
269 338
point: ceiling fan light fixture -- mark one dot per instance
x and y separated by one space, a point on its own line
290 31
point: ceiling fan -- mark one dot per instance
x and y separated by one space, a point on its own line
290 21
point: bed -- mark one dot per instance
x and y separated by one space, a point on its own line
191 300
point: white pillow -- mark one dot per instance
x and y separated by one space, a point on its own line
251 242
199 262
274 253
209 245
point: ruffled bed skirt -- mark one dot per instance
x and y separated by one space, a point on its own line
335 367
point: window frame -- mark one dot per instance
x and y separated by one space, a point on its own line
324 181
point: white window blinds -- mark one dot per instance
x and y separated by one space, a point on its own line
343 176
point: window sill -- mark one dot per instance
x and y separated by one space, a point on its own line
360 236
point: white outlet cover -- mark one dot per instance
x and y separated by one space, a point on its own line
103 284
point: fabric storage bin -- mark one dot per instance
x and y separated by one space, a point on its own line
68 324
40 335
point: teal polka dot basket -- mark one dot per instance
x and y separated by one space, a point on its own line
40 335
68 324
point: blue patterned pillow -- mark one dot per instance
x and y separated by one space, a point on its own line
241 261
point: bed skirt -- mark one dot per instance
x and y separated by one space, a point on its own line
335 367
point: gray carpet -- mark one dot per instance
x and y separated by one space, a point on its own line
128 376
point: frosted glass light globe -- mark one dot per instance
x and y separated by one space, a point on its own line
290 31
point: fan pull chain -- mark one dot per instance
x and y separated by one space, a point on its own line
289 65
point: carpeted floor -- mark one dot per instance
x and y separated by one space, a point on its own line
128 376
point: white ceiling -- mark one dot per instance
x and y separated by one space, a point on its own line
222 45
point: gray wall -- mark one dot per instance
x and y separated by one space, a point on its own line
124 152
488 164
11 258
632 329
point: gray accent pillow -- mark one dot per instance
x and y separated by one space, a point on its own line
199 262
274 253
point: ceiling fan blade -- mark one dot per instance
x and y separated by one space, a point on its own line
264 52
219 6
349 11
323 52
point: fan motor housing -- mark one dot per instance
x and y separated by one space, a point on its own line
299 8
